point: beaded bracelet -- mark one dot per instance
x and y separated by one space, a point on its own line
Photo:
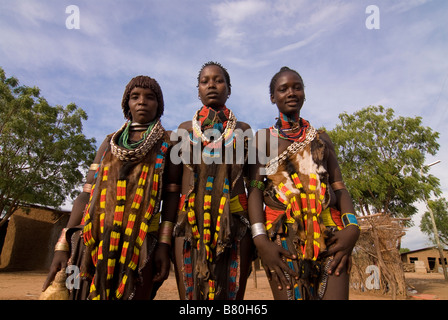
258 229
349 219
257 184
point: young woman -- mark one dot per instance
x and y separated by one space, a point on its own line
113 235
296 200
213 243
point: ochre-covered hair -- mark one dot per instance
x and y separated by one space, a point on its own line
142 82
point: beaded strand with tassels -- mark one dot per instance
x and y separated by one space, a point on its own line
115 234
308 205
206 236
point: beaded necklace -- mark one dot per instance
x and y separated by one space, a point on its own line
223 121
291 127
309 135
124 137
154 134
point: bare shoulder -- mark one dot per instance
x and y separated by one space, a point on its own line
242 125
186 125
325 137
263 131
105 144
262 138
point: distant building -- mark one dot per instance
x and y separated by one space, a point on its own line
429 256
30 237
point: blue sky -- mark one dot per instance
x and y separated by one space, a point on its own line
345 65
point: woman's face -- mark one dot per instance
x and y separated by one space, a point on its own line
143 105
213 88
289 93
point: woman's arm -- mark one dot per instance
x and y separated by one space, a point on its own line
270 253
172 179
343 241
61 257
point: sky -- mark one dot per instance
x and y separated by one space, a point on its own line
349 54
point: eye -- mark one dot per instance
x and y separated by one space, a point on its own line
281 89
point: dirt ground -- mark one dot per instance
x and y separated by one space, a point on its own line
27 286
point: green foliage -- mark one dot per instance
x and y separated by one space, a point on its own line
440 211
380 157
42 148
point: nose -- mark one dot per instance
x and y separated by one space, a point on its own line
291 91
142 100
211 84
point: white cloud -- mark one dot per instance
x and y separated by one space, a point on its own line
297 45
34 12
232 16
403 6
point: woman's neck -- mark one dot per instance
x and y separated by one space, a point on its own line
289 120
216 108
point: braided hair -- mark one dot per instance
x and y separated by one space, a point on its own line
142 82
224 71
277 75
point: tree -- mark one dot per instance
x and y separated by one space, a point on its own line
43 151
380 157
440 211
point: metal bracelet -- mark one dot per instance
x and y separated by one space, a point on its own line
258 229
165 232
61 247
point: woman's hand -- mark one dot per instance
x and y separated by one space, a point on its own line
272 257
59 262
161 262
340 246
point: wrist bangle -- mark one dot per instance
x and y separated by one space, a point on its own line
258 229
349 219
165 232
94 167
61 247
62 244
